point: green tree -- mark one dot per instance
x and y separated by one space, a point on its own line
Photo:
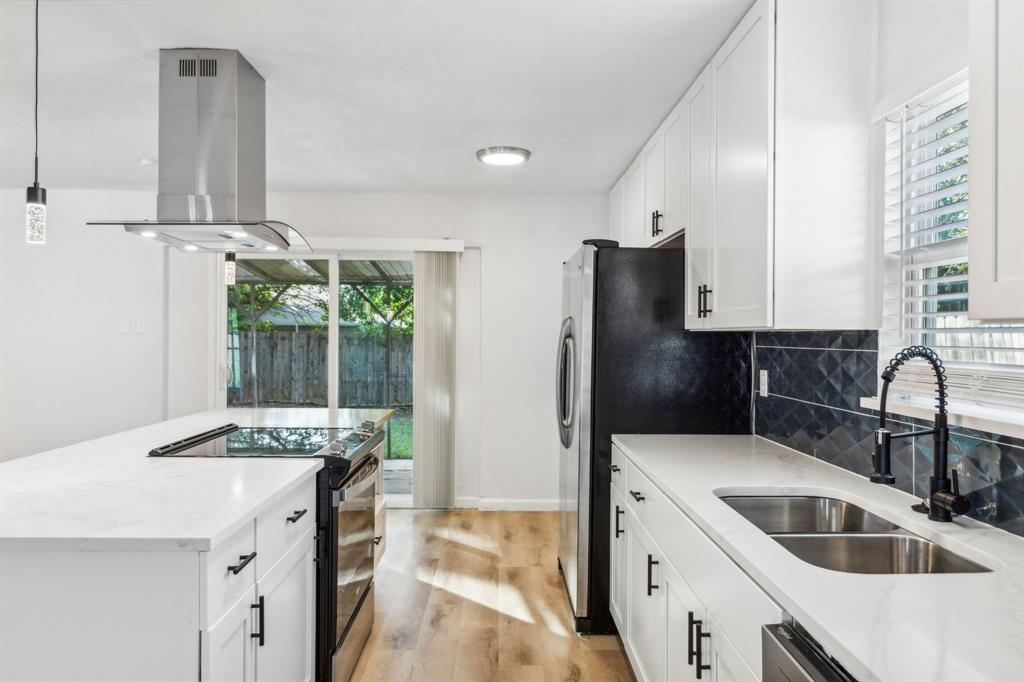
255 304
373 306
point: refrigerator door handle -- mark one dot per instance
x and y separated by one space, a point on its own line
565 382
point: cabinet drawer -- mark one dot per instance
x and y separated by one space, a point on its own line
739 606
279 527
618 473
223 586
650 498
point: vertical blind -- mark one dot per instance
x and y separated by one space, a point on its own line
927 169
433 370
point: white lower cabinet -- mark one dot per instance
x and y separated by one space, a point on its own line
227 648
287 597
268 634
684 609
645 619
619 558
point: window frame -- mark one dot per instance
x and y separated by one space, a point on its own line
982 396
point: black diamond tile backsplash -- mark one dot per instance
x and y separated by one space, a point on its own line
815 383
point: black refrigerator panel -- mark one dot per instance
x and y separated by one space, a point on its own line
650 375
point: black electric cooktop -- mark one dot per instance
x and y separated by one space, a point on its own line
339 446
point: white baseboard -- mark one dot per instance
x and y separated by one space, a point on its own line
518 503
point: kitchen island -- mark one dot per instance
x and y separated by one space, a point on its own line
158 568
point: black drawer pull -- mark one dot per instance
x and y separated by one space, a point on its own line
296 515
651 563
637 495
615 468
618 513
259 635
243 561
377 539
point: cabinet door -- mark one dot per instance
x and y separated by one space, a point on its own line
228 646
287 590
681 605
645 617
727 665
697 106
742 92
615 199
677 169
618 573
633 224
996 242
654 191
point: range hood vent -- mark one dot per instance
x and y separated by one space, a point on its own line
212 187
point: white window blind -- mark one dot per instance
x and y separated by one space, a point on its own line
927 225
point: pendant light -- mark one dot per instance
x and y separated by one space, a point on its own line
229 268
35 196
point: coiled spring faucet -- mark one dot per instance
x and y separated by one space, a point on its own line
944 498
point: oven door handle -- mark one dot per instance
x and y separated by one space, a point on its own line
366 467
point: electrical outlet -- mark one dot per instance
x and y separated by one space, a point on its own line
762 383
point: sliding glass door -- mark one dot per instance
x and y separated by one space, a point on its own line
375 341
277 341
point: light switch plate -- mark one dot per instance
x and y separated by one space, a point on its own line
762 383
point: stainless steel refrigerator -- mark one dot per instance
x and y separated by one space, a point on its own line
627 365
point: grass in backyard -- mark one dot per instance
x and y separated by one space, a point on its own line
401 435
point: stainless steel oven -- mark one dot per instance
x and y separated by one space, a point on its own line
352 505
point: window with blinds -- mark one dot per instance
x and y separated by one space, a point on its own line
927 225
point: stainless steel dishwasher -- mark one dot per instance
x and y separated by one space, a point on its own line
788 656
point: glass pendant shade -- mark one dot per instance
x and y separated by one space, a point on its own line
35 215
229 269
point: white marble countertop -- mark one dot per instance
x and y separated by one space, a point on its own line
884 627
107 494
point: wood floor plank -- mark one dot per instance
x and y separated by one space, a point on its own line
476 596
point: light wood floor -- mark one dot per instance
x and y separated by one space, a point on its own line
474 595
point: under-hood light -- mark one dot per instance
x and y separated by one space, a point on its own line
229 269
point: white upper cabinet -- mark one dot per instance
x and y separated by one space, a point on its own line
633 223
654 190
615 210
742 93
996 243
763 166
699 230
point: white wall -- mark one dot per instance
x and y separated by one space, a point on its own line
83 349
920 43
507 444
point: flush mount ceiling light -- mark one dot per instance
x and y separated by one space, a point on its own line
35 196
503 156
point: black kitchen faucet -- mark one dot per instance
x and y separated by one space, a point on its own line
944 499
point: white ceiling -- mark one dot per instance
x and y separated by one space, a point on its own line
363 96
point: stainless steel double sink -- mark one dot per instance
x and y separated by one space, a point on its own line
840 536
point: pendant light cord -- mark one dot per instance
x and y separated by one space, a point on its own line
36 182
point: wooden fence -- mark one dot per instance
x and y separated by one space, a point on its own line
292 369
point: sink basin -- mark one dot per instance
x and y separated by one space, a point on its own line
867 553
793 514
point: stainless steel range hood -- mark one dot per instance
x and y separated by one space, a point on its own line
212 187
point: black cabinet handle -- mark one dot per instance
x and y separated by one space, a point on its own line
690 651
637 496
707 308
296 515
699 653
618 513
615 468
243 561
259 635
655 223
651 563
377 539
